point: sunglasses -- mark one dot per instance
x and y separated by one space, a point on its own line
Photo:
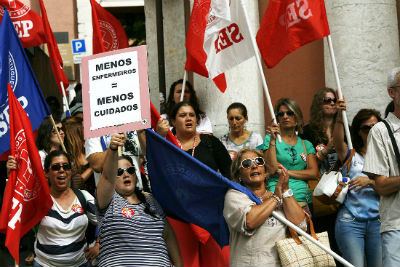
328 100
259 161
366 128
131 170
57 167
282 113
59 129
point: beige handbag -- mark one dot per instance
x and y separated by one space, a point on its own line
298 251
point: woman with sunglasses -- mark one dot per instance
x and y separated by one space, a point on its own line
47 139
60 238
295 154
238 136
357 228
133 228
253 230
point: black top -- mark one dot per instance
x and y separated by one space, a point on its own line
213 153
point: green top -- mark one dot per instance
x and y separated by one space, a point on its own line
292 158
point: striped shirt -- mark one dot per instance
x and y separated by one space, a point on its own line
61 235
131 237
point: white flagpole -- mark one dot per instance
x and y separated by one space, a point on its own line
65 101
339 88
183 85
311 239
257 55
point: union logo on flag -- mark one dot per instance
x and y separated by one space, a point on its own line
127 212
77 209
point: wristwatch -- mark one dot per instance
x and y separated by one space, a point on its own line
288 193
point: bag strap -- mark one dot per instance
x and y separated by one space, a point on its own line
394 143
310 225
81 198
347 163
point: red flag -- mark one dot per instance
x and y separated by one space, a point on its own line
27 23
288 25
108 33
217 39
155 116
27 196
54 54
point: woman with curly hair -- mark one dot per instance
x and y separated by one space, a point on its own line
83 177
204 125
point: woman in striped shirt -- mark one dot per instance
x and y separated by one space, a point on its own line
133 228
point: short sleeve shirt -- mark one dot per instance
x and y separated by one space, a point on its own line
292 158
252 142
381 160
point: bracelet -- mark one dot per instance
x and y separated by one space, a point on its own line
277 199
115 149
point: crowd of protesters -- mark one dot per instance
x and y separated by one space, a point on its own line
131 229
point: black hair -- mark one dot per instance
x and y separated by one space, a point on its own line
53 154
170 104
239 106
176 108
44 134
138 192
361 116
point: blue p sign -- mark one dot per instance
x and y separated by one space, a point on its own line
78 46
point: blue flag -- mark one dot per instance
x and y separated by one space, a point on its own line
16 70
187 189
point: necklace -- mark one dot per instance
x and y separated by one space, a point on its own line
194 144
261 198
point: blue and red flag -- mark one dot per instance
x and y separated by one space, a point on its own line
187 189
16 70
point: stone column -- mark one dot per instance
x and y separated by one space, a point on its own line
244 85
366 43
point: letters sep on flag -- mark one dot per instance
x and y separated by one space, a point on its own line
217 39
187 189
27 196
27 23
289 24
16 70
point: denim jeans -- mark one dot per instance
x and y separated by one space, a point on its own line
391 248
358 240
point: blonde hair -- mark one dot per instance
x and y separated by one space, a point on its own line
292 105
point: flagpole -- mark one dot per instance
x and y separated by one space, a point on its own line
265 86
183 85
65 101
340 94
58 133
310 238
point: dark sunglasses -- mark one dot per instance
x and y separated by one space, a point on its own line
58 128
282 113
366 128
328 100
57 167
131 170
259 161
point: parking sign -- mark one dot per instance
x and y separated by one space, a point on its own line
78 46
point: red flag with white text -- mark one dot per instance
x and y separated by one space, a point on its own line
218 39
27 23
54 54
108 33
289 24
27 196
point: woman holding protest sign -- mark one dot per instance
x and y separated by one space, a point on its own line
253 229
295 154
133 228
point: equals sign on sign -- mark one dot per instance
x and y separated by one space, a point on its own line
114 85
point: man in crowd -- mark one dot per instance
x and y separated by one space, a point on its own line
381 165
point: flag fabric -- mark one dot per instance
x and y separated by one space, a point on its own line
155 116
27 196
56 61
16 70
108 33
288 25
187 189
27 23
217 40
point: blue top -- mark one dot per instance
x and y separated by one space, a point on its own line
292 158
364 204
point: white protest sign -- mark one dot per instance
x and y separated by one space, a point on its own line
115 92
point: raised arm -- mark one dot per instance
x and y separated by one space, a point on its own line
106 185
270 153
338 132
